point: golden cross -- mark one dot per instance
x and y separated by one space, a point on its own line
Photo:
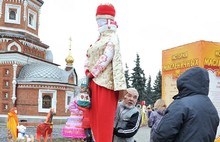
70 42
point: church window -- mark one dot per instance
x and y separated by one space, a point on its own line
32 19
6 72
14 48
5 107
69 97
68 100
6 84
46 101
5 95
12 13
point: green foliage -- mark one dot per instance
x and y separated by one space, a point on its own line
148 95
157 87
127 77
138 79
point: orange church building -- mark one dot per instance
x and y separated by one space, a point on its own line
29 79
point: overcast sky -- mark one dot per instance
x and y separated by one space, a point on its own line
145 27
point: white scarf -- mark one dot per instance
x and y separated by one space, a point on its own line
106 24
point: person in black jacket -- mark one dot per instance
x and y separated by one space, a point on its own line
191 117
128 118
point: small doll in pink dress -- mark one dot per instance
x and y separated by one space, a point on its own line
73 127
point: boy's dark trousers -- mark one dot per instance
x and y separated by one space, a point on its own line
88 135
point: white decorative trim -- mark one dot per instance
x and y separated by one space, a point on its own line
35 117
14 44
17 1
17 16
34 19
40 99
12 62
25 7
55 86
68 94
19 30
1 8
14 83
39 12
31 45
37 2
5 40
16 58
33 5
74 76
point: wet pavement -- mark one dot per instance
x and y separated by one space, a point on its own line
143 134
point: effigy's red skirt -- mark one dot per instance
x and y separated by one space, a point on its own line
102 112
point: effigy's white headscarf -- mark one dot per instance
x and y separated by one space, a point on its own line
106 24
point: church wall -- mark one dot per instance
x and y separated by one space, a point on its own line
61 103
3 46
35 31
6 46
2 21
23 23
22 36
6 76
27 102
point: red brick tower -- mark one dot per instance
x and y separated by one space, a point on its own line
29 79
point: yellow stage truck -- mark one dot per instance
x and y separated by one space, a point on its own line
176 60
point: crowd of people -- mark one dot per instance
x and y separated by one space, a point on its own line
191 117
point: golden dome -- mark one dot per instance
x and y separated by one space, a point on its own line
69 59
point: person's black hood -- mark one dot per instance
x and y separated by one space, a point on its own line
194 81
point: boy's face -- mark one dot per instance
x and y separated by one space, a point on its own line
130 99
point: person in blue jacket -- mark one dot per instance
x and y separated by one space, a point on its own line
191 117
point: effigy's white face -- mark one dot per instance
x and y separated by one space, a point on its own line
101 22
